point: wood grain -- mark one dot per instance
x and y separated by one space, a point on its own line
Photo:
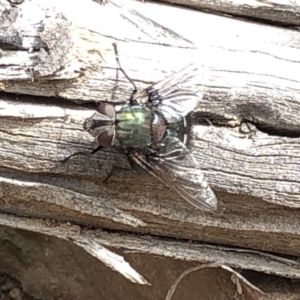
53 69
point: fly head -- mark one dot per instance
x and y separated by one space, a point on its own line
102 125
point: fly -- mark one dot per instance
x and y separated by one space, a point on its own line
151 128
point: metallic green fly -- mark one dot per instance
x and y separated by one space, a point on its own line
151 129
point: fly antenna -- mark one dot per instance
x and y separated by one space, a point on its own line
122 70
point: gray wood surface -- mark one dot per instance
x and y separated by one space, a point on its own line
62 59
282 12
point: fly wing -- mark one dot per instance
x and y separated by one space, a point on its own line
174 96
180 175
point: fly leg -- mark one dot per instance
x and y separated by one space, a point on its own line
85 153
131 101
151 153
115 169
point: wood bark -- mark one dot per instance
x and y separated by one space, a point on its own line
55 62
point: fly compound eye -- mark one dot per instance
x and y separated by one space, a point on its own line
158 128
106 109
106 138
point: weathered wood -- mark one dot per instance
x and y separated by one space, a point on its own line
148 254
279 11
236 88
248 71
234 164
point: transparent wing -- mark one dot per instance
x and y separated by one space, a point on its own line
175 96
180 174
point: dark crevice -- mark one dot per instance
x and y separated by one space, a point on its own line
289 260
256 20
61 102
198 118
283 132
218 121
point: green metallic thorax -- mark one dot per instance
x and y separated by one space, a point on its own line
133 126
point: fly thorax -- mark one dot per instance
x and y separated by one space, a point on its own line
133 126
